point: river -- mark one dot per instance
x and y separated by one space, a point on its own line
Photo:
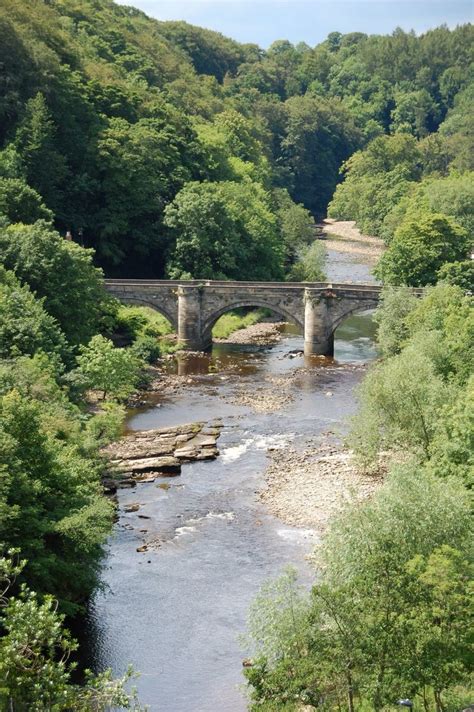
175 612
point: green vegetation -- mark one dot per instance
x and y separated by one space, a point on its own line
389 615
34 657
127 131
238 319
309 265
423 244
169 150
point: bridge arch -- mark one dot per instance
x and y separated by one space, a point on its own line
132 300
365 305
262 304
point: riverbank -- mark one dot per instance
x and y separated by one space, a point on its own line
307 488
344 237
262 333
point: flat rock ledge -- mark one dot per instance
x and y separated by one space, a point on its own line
147 454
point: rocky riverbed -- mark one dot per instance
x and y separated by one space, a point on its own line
307 488
264 333
344 236
145 455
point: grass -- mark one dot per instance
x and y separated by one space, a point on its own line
232 321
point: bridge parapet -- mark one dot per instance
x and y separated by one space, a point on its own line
193 306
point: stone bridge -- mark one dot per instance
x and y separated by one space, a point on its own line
194 306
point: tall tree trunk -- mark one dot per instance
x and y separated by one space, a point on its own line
350 693
438 701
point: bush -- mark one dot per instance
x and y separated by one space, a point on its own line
422 244
103 367
146 348
25 326
135 321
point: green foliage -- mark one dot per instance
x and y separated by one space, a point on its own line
391 314
232 321
452 449
309 266
223 231
50 503
59 271
296 224
135 321
406 401
142 166
422 244
399 404
459 274
20 203
388 615
103 367
25 326
34 657
453 195
320 135
107 114
45 167
376 180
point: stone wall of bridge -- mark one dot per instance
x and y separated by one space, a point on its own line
194 306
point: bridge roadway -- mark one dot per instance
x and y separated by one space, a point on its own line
193 306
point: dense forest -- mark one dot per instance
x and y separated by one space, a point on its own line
174 151
170 150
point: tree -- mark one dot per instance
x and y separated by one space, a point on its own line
399 403
297 226
309 266
459 274
59 271
422 244
35 652
376 179
51 504
103 367
20 203
368 557
320 136
387 614
25 326
391 317
142 167
224 231
45 167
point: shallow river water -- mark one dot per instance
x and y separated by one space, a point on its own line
175 612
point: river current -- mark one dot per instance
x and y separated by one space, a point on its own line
176 611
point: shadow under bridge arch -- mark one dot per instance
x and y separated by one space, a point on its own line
211 319
151 304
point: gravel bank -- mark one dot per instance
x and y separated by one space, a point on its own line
264 333
306 488
344 236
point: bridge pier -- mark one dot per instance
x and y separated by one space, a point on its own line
189 318
318 335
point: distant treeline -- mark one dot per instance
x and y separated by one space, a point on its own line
172 150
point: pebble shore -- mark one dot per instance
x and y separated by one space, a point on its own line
306 488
